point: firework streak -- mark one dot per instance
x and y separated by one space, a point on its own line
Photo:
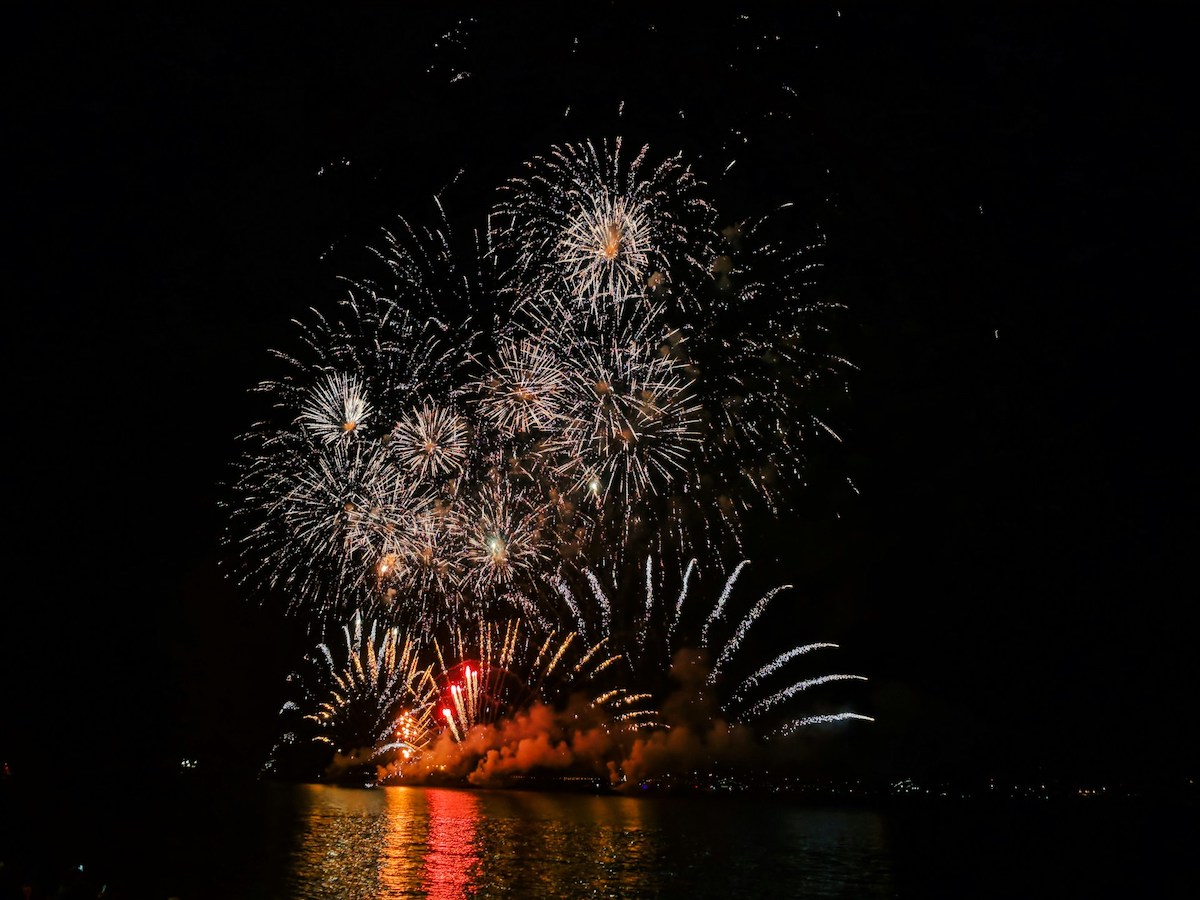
644 380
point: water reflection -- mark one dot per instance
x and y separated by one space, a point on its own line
564 845
339 839
448 844
391 842
453 857
402 858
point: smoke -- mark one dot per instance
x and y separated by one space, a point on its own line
538 740
580 741
698 738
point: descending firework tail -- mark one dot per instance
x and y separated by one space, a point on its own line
371 701
784 376
652 631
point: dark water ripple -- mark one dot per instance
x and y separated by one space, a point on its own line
264 841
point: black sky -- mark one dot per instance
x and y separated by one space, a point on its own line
1008 196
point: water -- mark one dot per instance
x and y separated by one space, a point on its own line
265 840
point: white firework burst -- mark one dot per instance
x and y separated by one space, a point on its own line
602 229
523 389
606 245
508 533
335 407
431 441
633 425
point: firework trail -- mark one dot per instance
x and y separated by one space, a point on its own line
496 669
641 383
657 633
372 703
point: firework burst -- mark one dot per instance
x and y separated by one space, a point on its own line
431 442
372 703
634 423
777 376
642 382
607 421
588 221
508 533
337 484
335 408
522 390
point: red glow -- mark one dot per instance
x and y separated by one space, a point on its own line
452 860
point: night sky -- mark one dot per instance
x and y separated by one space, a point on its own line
1007 195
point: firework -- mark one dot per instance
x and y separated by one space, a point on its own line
507 532
336 490
655 635
602 228
523 387
642 383
611 428
324 520
777 375
372 703
427 560
636 425
431 442
496 669
335 408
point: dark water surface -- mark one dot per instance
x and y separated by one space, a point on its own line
265 840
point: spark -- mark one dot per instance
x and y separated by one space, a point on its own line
373 703
335 408
497 669
431 441
603 227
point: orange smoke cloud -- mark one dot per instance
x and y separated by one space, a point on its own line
580 741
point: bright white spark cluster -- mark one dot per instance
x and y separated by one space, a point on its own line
587 222
643 383
645 374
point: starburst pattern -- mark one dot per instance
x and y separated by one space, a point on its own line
431 442
604 227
